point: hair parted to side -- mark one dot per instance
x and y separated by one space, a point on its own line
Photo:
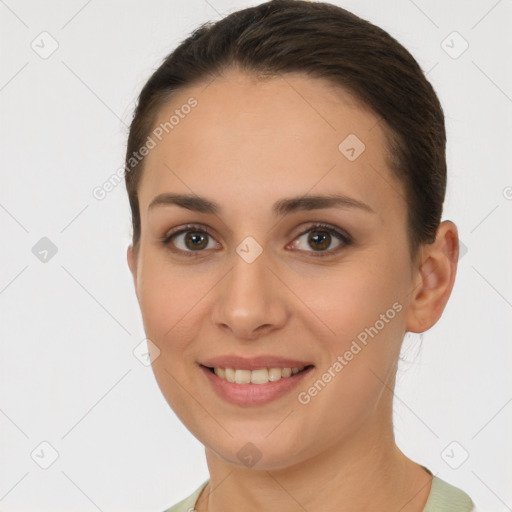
323 41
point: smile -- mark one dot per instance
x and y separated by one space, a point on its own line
258 376
256 387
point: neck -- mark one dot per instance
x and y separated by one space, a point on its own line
367 471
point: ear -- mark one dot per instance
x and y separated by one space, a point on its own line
131 257
435 279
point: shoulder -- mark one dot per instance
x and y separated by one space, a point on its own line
445 497
188 504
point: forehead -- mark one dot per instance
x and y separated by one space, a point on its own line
259 140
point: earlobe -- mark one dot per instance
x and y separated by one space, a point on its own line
435 279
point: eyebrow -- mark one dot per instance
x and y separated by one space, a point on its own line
281 207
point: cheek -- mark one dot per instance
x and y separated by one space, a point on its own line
360 354
169 299
170 305
348 301
364 313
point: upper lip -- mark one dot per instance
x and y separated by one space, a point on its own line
253 363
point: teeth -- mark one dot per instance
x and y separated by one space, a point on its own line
286 372
274 374
229 372
243 376
260 376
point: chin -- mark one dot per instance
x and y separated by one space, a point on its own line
258 452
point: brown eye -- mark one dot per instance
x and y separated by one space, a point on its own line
320 238
190 240
195 240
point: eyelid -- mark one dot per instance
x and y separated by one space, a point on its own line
323 226
338 233
167 238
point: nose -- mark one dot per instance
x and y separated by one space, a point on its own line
250 301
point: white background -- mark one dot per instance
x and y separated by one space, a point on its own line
69 325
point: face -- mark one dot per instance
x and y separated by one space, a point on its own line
258 279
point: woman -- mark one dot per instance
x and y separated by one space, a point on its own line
286 175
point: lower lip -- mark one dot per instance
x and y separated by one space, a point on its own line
253 394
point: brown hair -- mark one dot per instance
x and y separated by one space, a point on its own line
322 41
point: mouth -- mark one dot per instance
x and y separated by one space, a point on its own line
257 376
254 387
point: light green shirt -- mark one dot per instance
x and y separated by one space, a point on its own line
443 497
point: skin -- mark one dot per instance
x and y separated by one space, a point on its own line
247 144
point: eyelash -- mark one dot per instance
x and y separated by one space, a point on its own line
345 238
